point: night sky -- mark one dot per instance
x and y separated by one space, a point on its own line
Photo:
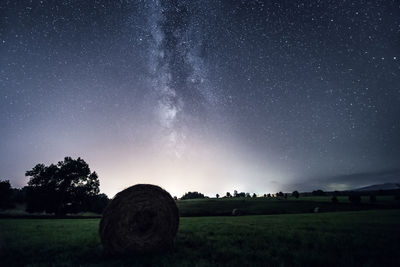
212 96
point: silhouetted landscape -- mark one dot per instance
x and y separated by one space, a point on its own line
314 224
70 188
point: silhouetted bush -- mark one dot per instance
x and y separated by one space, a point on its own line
96 203
334 199
5 195
65 187
296 194
241 194
192 195
19 195
254 195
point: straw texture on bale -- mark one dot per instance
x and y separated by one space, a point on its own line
142 218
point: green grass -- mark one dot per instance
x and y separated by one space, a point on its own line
258 206
363 238
345 199
249 206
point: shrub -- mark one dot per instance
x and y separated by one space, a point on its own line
192 195
5 194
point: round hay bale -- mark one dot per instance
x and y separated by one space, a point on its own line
237 212
142 218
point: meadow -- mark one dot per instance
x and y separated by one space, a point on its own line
247 206
267 206
356 238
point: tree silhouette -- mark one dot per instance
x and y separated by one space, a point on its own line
296 194
5 194
54 188
217 195
241 194
96 203
228 194
192 195
235 193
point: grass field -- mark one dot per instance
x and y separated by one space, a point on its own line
249 206
258 206
362 238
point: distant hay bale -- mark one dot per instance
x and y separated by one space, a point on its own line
237 212
142 218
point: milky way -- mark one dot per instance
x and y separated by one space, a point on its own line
177 70
213 96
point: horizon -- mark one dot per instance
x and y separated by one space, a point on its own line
390 176
207 96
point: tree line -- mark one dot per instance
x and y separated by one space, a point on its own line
353 196
66 187
236 194
71 187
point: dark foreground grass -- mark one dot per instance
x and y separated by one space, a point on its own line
363 238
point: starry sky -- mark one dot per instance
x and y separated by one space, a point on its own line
205 95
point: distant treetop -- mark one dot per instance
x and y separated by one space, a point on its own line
192 195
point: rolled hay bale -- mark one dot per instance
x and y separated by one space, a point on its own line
237 212
142 218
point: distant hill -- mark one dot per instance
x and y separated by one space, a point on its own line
376 187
